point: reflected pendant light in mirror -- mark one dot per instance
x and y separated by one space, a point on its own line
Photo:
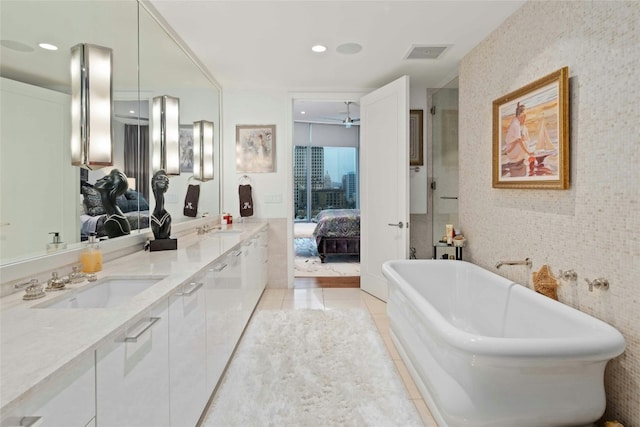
165 134
203 150
91 106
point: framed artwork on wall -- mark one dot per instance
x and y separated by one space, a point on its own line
255 148
186 148
416 138
531 135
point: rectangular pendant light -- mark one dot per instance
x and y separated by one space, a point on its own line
165 134
203 150
91 106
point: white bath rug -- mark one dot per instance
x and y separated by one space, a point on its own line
312 368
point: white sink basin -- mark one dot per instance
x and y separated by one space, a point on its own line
107 292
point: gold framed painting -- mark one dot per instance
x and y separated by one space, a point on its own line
255 148
531 135
416 138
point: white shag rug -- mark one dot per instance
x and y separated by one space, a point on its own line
312 368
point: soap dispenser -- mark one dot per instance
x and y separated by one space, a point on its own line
91 256
56 244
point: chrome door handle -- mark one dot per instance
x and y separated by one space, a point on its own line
399 224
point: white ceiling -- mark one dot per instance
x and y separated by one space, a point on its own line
267 44
258 44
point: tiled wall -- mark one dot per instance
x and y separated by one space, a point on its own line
279 241
594 227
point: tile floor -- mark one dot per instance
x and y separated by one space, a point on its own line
335 298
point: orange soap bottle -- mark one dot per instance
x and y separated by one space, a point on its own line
91 256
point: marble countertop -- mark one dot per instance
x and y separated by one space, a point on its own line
38 345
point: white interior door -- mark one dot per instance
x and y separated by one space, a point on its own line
384 183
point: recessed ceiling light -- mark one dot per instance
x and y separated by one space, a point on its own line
319 48
303 112
349 48
131 112
48 46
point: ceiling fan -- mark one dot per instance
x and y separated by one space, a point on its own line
348 121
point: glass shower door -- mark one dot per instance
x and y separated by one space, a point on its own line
445 161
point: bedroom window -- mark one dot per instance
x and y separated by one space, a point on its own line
325 178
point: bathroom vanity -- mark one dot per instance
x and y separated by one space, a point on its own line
146 344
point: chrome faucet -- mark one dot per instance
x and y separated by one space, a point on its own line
525 261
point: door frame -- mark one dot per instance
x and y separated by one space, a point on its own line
304 96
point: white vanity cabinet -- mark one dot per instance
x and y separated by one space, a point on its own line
160 367
223 294
263 248
132 373
251 274
187 352
68 400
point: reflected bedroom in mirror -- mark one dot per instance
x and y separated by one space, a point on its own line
42 189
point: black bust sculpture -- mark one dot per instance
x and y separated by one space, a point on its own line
110 187
160 218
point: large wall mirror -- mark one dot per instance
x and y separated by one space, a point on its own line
40 192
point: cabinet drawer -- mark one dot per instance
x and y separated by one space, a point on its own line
132 381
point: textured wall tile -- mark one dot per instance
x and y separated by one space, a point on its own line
594 227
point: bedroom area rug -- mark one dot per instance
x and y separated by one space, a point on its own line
307 260
312 368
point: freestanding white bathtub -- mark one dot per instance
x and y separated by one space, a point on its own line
485 351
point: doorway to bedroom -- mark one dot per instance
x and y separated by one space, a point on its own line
326 189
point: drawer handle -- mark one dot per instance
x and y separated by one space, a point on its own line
237 253
218 268
152 321
194 287
29 421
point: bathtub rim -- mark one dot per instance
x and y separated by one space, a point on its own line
607 344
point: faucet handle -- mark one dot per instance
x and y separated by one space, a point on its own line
34 290
600 282
55 283
76 275
569 275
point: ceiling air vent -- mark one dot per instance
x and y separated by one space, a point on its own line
425 52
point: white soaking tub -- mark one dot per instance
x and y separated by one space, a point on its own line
485 351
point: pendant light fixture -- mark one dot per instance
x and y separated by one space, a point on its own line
165 134
91 106
203 150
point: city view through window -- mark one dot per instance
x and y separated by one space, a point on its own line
324 178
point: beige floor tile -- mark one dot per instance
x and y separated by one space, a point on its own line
411 387
424 412
310 294
391 348
274 293
270 304
375 305
301 303
336 304
342 294
382 323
